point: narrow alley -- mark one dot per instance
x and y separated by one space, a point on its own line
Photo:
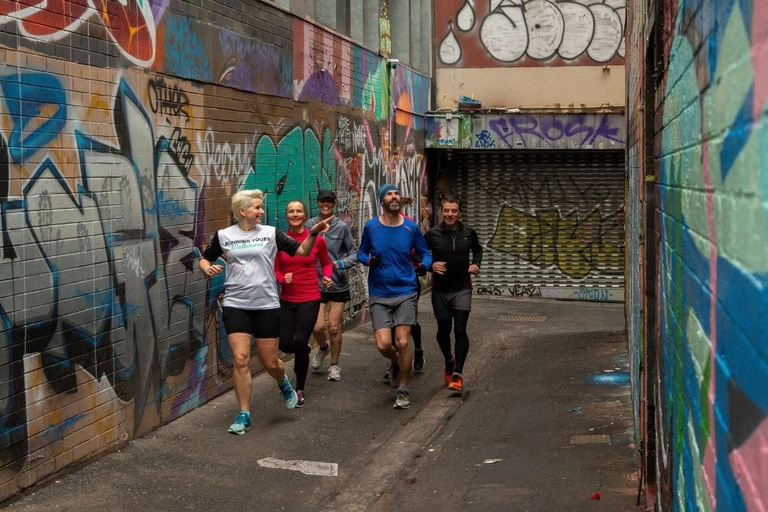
544 424
591 176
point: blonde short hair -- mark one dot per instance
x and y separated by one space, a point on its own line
241 200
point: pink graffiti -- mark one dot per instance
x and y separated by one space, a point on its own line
760 55
750 465
368 137
710 454
130 23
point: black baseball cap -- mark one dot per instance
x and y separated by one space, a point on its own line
326 194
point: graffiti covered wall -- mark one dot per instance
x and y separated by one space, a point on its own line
491 33
118 154
530 54
552 222
636 230
712 427
526 131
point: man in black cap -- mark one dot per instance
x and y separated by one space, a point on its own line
343 252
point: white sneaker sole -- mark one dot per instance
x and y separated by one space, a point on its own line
291 404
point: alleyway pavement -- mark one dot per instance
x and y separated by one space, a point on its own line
544 424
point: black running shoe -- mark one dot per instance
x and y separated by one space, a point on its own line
394 375
418 359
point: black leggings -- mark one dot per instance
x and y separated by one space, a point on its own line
297 319
459 321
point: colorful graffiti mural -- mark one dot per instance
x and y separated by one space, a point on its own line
337 72
115 294
491 33
205 52
114 175
410 97
527 131
712 429
130 24
180 46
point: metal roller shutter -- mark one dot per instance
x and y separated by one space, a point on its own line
551 222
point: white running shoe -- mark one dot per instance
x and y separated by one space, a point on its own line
317 360
403 400
334 372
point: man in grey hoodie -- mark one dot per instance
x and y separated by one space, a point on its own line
343 252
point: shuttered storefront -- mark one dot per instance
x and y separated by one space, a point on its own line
551 222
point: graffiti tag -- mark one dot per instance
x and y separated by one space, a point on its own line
167 100
179 149
484 140
487 290
594 294
549 130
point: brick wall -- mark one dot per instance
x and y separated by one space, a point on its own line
120 145
634 208
710 388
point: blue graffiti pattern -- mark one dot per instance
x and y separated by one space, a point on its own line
26 94
128 233
185 54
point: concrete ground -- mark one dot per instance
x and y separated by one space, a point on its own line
544 424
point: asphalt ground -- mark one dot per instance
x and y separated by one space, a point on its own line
544 424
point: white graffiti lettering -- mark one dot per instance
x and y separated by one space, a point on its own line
541 30
132 261
229 164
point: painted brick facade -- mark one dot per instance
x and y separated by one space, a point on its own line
123 133
698 249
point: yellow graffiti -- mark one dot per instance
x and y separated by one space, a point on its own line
100 104
385 30
547 238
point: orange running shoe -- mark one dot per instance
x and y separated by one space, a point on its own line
448 373
457 383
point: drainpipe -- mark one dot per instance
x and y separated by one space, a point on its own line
391 66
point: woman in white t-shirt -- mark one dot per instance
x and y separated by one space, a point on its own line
251 303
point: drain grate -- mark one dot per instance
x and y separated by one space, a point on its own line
522 318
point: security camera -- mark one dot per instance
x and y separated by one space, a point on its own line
393 63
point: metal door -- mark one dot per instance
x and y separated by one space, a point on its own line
551 222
